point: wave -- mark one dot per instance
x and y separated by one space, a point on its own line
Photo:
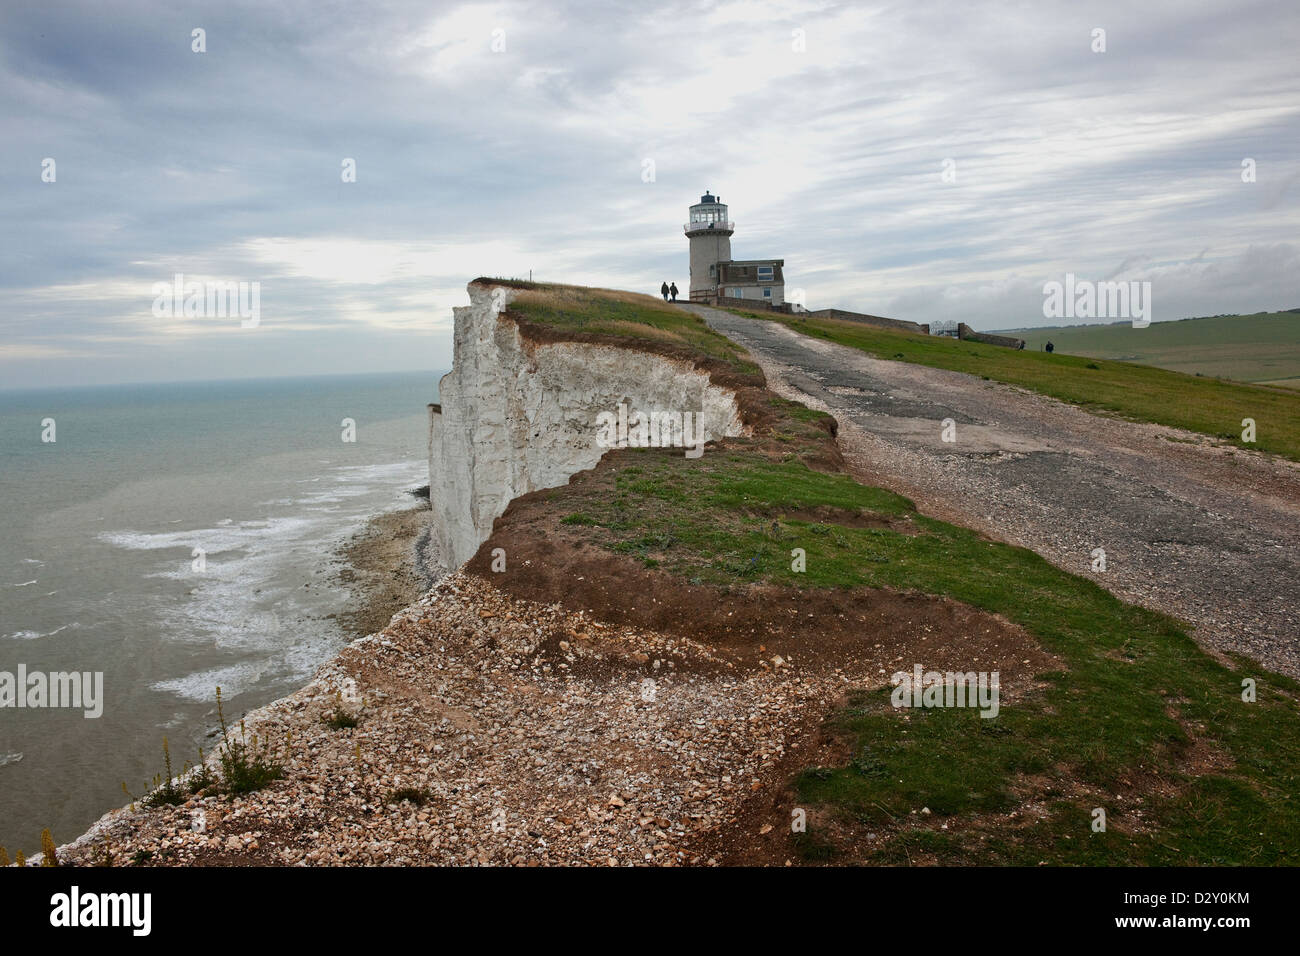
226 536
261 600
30 635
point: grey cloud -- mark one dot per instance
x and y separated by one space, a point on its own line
1067 160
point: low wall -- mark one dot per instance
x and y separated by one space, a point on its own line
964 331
879 321
731 302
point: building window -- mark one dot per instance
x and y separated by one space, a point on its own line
765 272
711 268
767 293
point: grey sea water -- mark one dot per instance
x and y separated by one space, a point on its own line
98 532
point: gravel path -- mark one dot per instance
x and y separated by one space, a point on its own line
1199 530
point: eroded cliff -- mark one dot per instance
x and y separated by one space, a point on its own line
517 415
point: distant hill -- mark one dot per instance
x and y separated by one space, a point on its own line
1263 348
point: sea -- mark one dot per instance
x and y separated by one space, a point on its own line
176 538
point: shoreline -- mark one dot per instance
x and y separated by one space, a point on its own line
387 566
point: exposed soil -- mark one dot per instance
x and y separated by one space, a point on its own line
547 561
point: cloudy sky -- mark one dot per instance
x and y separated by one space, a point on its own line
569 139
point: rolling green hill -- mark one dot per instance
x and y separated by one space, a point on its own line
1263 348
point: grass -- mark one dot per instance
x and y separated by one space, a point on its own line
340 718
626 316
170 792
416 795
245 767
1263 347
1124 715
1136 392
1136 719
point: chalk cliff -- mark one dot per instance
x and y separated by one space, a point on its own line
518 415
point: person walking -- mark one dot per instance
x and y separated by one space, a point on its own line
672 289
663 291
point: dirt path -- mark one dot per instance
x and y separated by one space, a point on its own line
1205 532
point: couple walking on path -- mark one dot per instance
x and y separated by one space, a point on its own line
666 290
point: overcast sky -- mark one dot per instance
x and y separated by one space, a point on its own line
498 138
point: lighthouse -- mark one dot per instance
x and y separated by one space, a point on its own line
709 231
714 274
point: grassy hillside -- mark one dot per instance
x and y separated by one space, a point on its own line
1264 347
627 317
1135 719
1130 721
1137 392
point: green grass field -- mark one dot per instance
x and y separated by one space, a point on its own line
629 316
1136 719
1260 348
1137 392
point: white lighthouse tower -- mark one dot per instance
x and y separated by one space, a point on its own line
709 231
718 278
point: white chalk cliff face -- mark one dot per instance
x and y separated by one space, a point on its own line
517 416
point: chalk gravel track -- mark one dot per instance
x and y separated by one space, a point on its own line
1200 530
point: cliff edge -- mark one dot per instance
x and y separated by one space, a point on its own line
518 414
